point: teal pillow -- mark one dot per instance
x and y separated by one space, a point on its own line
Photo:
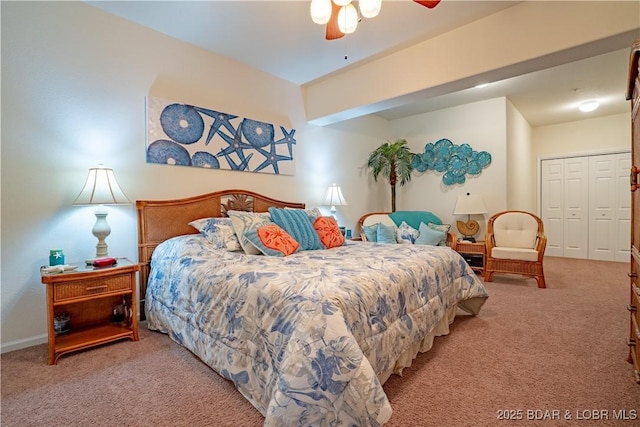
429 236
371 232
414 218
296 222
386 234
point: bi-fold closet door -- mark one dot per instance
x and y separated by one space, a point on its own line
586 206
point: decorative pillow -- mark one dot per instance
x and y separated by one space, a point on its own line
406 233
386 234
314 213
414 218
219 231
371 232
247 221
429 236
272 240
329 232
296 222
441 227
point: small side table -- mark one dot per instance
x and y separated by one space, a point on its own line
473 253
88 297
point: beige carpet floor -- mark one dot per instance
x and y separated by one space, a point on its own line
531 353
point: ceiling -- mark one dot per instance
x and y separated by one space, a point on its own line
278 37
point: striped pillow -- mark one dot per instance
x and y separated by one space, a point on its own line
297 223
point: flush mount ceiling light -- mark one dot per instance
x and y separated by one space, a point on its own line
588 106
341 16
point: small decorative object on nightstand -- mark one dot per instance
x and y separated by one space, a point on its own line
81 303
474 253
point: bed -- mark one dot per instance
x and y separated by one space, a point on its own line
309 338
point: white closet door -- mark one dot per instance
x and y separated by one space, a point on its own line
623 208
576 207
602 207
553 205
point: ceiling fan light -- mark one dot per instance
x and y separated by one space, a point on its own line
320 11
588 106
370 8
342 2
348 19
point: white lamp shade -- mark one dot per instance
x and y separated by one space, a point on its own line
101 188
469 204
320 11
348 19
370 8
342 2
334 197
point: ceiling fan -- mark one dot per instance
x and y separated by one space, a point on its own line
333 30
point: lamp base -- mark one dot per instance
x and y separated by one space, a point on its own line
101 230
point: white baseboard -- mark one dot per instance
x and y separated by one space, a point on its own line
20 344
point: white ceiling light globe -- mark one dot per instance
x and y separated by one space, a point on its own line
370 8
348 19
320 11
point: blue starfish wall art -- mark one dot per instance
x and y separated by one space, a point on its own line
188 135
455 161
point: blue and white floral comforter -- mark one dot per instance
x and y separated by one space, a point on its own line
304 337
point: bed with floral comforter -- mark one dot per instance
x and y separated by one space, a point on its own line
309 338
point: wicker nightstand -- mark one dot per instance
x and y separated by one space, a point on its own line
87 297
473 253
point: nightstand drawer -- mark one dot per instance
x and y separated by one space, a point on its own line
90 288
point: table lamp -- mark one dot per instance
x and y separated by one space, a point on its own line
101 188
334 198
469 205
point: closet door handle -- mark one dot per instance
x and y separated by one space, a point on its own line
633 178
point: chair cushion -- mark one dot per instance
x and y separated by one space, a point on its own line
519 254
515 230
378 218
414 218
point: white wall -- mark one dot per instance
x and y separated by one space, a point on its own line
74 82
521 195
483 126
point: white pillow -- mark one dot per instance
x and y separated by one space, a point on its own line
247 221
218 231
406 233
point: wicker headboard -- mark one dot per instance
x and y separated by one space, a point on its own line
159 220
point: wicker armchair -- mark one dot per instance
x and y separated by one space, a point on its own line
515 244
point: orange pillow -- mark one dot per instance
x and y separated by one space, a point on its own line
276 239
329 232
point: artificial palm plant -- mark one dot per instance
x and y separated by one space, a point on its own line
394 161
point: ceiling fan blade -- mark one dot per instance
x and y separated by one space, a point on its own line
429 4
333 31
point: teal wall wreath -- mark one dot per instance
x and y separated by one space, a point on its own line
456 161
